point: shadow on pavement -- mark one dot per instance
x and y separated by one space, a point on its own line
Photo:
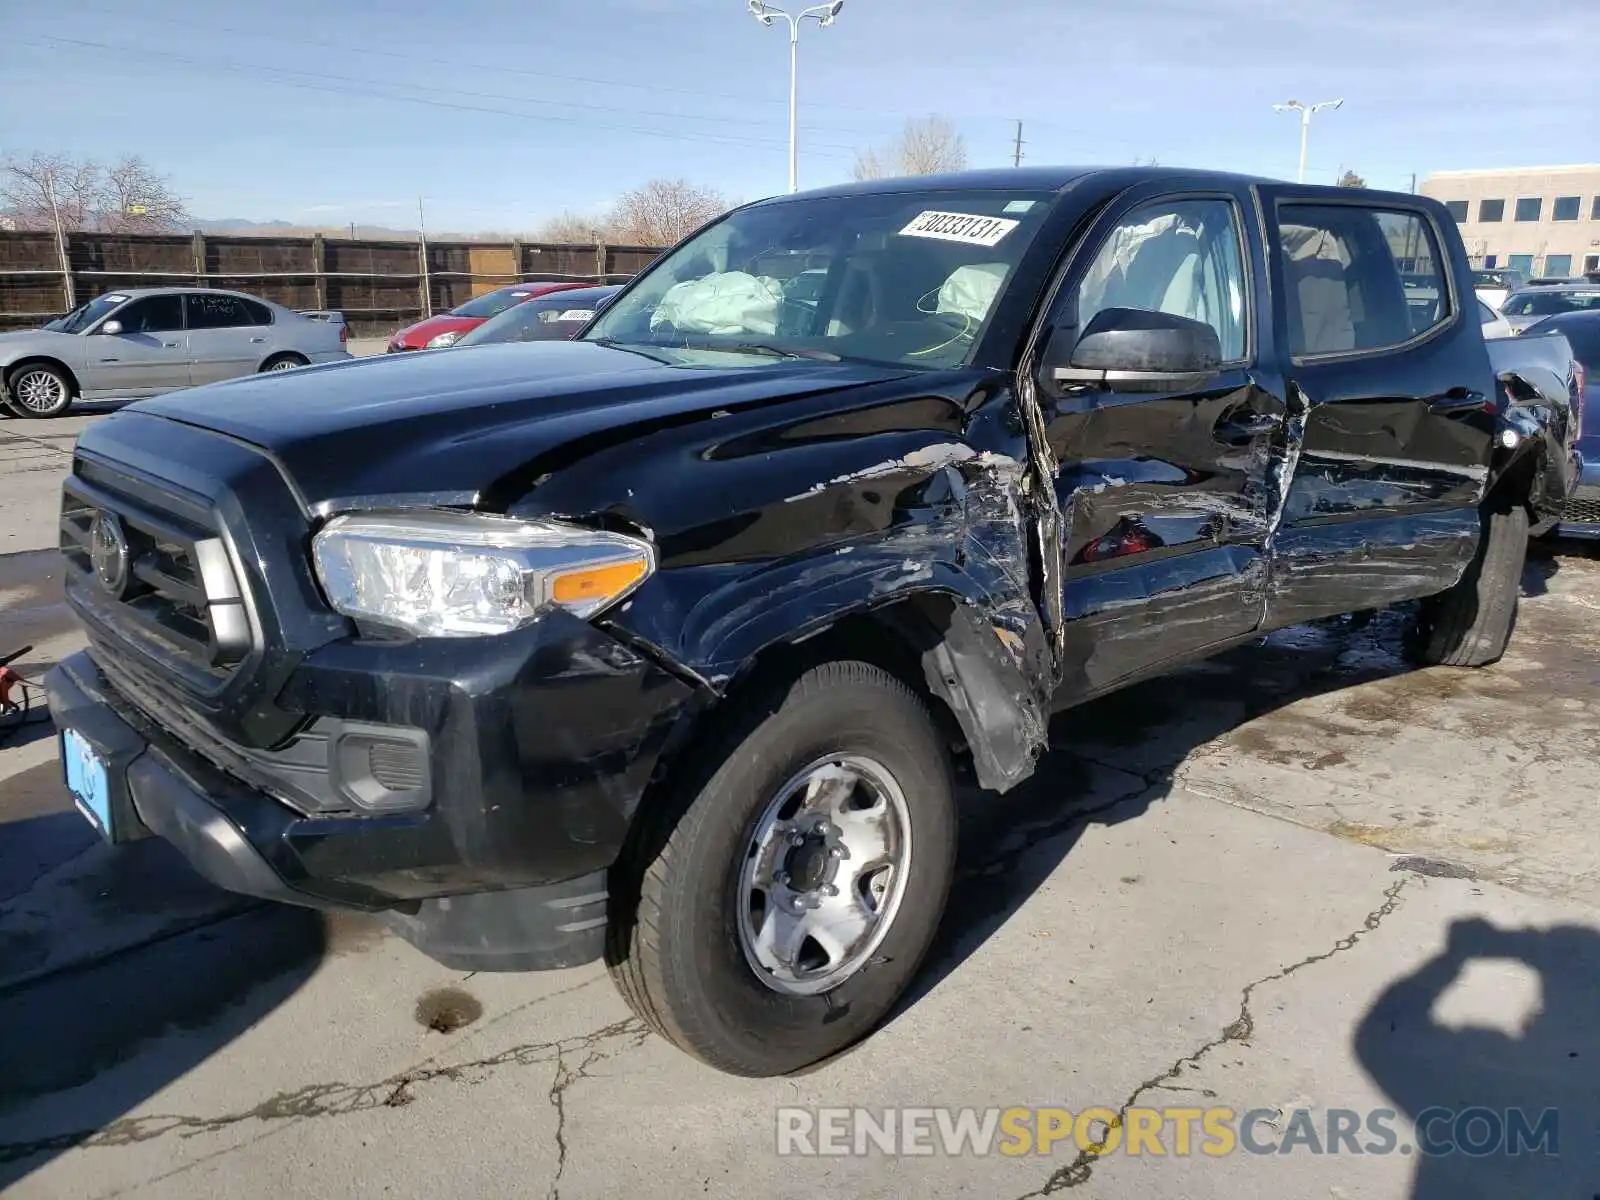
1499 1112
1115 757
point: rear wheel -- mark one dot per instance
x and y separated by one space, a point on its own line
283 362
1470 625
39 390
773 911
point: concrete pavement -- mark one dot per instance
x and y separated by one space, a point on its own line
1297 877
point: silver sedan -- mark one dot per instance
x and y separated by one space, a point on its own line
145 341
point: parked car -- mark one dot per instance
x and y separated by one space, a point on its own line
1527 306
435 333
1494 284
670 643
145 341
1494 325
546 318
1581 516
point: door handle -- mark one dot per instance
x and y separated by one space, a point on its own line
170 345
1458 400
1247 428
257 341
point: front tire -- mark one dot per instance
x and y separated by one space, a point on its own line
39 390
1470 625
283 362
770 911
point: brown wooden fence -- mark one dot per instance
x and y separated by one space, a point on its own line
378 285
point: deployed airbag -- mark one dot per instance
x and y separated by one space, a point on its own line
725 302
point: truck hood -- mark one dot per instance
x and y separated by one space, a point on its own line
455 423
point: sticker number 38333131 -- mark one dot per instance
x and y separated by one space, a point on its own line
959 227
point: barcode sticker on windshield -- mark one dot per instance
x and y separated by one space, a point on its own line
959 227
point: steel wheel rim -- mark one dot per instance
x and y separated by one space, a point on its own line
823 875
39 391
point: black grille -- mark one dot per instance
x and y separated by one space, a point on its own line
1582 510
170 585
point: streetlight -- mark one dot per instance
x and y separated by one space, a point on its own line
1305 111
823 15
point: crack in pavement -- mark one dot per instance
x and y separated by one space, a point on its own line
341 1099
563 1079
1078 1171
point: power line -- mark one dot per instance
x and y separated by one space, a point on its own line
351 48
275 75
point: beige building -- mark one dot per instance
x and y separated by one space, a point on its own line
1540 220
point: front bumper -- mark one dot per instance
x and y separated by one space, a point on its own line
540 744
1581 516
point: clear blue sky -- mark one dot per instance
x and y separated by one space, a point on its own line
327 113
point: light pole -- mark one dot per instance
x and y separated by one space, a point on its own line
1305 111
823 15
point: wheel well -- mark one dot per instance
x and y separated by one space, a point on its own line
1518 481
886 637
42 360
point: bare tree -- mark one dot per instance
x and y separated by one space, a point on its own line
663 212
1351 180
926 146
128 198
137 200
572 229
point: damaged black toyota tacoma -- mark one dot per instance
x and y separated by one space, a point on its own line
671 644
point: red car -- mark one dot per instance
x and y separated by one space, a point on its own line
447 328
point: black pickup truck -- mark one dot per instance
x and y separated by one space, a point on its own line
672 643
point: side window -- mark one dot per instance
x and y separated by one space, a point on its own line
1359 278
208 310
1183 258
256 313
153 314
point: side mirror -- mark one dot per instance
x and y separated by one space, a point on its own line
111 328
1133 350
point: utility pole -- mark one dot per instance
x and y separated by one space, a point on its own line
61 248
1016 149
1413 183
422 238
1306 112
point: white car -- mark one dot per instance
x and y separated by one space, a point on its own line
1493 285
1494 325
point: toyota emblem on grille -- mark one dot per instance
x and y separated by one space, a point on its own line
108 552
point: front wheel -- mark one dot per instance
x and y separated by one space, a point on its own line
283 362
773 913
1470 625
39 390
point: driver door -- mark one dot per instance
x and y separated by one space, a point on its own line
149 355
1165 489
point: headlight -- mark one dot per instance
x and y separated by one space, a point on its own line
445 339
463 574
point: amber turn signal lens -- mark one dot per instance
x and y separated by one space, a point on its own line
597 583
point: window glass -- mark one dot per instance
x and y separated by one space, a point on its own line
153 314
1545 302
497 301
1594 212
1529 208
1566 208
258 313
1344 281
213 310
1522 263
911 277
87 314
1485 313
1491 210
1181 258
1458 209
1557 264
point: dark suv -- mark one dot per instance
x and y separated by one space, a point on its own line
671 643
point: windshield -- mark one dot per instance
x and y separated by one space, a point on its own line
908 277
1545 302
546 318
491 303
86 315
